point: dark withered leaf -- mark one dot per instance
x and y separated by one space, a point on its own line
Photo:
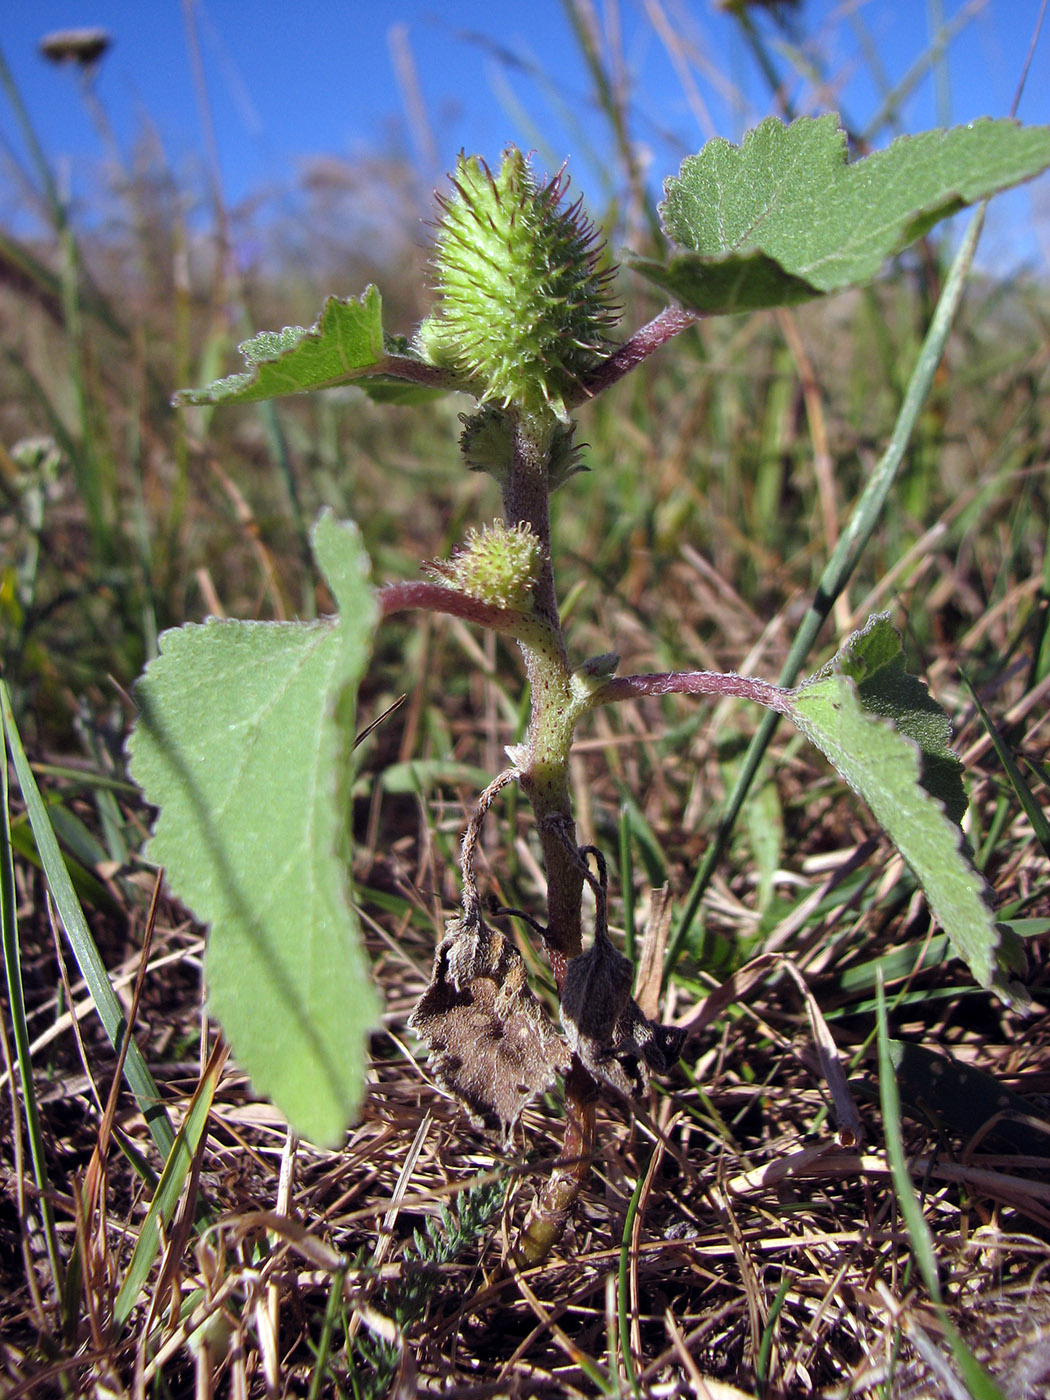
605 1026
491 1043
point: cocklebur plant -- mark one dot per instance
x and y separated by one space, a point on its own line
245 736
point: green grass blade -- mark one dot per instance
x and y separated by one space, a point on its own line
932 59
769 1332
839 568
623 1287
78 935
169 1189
321 1372
1027 798
89 889
16 1001
979 1382
48 187
918 1231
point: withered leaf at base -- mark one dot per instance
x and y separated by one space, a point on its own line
605 1026
491 1043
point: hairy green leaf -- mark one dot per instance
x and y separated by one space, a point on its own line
346 345
889 740
783 217
244 742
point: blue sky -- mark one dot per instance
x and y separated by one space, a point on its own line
295 79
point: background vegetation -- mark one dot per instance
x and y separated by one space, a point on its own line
728 1235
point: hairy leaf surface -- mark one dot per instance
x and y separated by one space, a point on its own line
783 217
346 345
889 740
244 743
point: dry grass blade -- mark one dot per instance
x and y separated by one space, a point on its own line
650 973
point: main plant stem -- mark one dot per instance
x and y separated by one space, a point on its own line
544 767
545 755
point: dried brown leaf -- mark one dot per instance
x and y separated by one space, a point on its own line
605 1026
491 1043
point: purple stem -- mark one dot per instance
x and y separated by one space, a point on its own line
655 333
645 341
415 371
435 597
774 697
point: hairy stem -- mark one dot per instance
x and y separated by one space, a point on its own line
471 902
655 333
552 1205
545 755
440 598
416 371
544 767
720 683
526 500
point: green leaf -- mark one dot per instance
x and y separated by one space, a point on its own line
783 217
244 742
345 345
889 740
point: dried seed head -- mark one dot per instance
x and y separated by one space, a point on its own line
524 304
